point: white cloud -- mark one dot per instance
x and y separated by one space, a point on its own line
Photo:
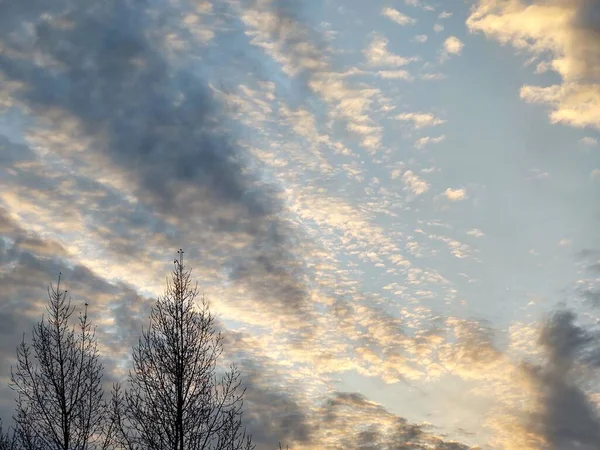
397 16
560 33
453 45
420 120
378 54
590 141
475 233
415 184
421 38
433 76
573 103
455 195
419 4
291 44
395 75
424 141
539 174
595 174
445 15
438 28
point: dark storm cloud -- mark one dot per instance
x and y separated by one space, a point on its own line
563 340
566 417
156 121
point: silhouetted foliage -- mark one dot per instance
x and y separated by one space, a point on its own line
58 383
176 399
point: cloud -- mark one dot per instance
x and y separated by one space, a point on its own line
302 53
132 106
595 174
415 184
455 195
551 403
419 4
378 54
475 233
574 104
566 418
365 424
564 35
433 76
28 263
395 75
453 45
420 38
397 16
420 120
592 296
445 15
427 140
589 141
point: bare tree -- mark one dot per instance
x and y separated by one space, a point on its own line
58 380
176 398
7 439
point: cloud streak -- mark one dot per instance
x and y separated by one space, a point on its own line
106 75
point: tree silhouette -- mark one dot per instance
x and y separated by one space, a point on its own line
176 400
7 440
58 381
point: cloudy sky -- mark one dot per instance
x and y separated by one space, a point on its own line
392 206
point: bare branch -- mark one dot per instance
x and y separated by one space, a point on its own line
58 382
175 399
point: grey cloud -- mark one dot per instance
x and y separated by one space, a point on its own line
279 412
273 413
566 418
123 228
12 153
360 422
562 339
156 121
595 267
591 296
28 264
587 24
588 253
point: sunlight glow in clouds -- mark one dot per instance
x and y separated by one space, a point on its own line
453 45
455 195
401 249
561 36
397 16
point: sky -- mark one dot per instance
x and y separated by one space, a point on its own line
392 206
